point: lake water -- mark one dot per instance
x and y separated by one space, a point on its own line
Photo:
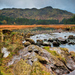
56 35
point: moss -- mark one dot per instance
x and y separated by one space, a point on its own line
39 69
50 51
65 50
22 68
72 55
61 59
54 53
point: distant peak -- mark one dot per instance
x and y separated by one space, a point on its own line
48 7
34 8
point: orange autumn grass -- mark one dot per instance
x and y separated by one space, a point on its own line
12 27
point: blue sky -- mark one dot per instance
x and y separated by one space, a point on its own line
68 5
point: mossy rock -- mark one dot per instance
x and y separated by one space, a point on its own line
54 53
72 55
22 68
39 69
66 51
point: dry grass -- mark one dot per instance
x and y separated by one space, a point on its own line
12 27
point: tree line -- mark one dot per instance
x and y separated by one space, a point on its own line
24 21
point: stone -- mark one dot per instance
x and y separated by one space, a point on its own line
46 44
5 52
55 43
27 43
70 37
30 40
50 40
39 42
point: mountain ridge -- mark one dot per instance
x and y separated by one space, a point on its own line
46 13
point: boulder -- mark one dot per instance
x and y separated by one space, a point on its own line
71 43
62 41
50 40
55 43
27 44
39 42
30 40
45 39
46 44
70 37
28 35
5 52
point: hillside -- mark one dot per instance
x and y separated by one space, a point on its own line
43 13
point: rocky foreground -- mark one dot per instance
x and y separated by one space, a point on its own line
34 60
26 57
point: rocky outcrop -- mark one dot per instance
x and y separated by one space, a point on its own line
40 61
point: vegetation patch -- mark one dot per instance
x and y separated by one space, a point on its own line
65 50
55 54
39 69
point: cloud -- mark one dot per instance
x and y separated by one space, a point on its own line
68 5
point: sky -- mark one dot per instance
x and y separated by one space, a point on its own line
68 5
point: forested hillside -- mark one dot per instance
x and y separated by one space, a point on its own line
47 13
